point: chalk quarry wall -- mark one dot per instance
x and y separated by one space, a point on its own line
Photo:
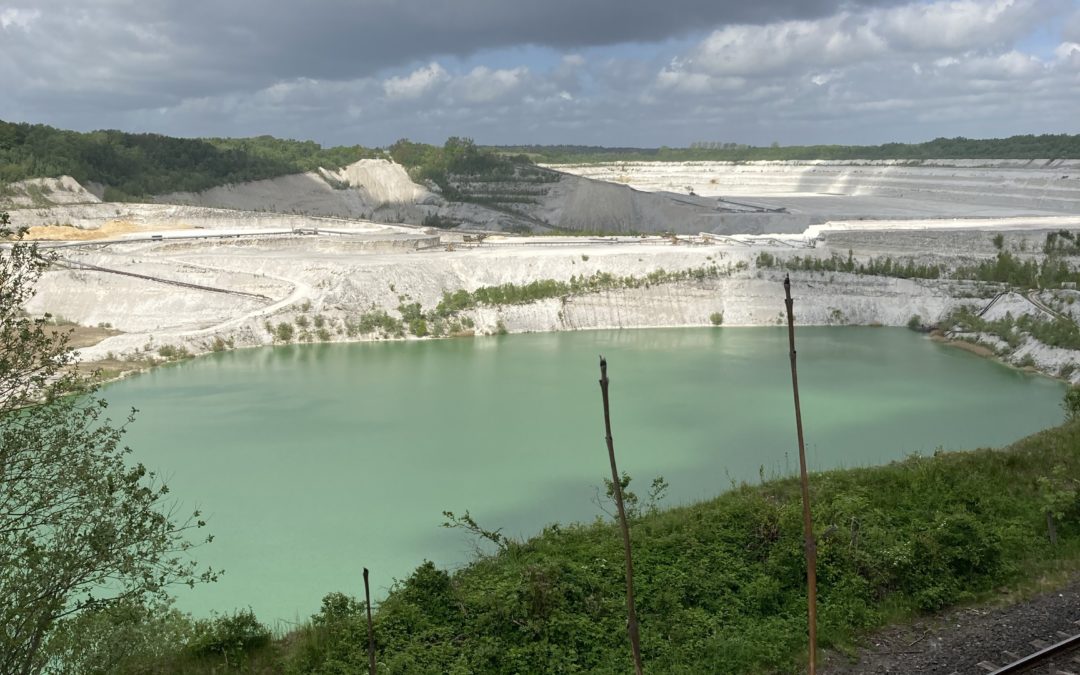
1035 184
342 286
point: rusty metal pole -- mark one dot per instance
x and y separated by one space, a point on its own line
631 613
808 526
370 627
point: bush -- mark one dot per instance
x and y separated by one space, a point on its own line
173 353
716 318
1071 403
284 332
233 637
440 222
418 327
376 321
335 641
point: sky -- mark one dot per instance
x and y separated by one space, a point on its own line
641 73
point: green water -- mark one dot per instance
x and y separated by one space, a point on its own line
313 462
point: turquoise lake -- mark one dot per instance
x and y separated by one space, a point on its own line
312 462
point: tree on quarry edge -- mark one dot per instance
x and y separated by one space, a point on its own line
82 528
8 232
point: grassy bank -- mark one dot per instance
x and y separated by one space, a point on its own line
718 582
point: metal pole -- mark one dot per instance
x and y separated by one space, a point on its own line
808 526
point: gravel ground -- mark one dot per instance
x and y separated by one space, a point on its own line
956 642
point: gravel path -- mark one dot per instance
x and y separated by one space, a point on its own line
956 642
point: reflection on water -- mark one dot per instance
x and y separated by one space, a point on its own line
315 461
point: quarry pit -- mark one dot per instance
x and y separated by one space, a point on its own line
210 271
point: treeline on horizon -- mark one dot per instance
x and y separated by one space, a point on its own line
138 165
1046 146
131 166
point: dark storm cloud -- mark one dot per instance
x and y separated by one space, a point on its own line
346 38
608 71
212 45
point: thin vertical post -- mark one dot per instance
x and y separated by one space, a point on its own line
808 526
370 627
631 613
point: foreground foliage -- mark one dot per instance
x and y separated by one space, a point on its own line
81 530
719 582
722 581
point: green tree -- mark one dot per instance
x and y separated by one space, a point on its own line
81 527
9 232
127 637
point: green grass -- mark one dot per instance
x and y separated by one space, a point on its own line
720 581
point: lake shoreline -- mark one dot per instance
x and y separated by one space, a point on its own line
367 415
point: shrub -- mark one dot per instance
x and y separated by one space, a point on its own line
173 353
716 318
440 222
284 332
233 637
418 327
1071 403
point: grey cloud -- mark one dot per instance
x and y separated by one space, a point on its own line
214 45
1071 30
317 70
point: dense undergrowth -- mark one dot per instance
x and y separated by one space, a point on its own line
719 582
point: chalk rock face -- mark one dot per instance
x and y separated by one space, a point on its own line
1028 186
42 192
381 182
361 190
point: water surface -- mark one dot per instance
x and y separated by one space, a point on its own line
312 462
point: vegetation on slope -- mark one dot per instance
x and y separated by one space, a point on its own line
450 316
465 172
1046 146
139 165
721 581
1050 269
1058 331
